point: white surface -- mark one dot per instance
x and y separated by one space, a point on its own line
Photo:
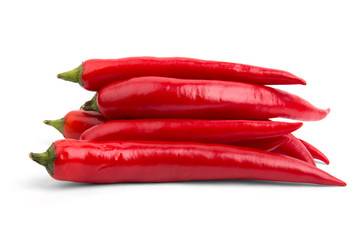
317 40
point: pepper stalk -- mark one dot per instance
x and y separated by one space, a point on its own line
46 159
73 75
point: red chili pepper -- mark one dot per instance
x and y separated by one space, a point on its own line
111 162
179 130
265 144
95 73
158 97
76 122
316 153
294 148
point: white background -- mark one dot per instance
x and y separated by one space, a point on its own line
316 40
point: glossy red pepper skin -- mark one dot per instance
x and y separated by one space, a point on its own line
194 130
76 122
294 148
116 161
316 153
265 144
158 97
100 72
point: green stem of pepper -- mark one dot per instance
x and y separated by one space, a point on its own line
46 159
91 105
72 75
58 124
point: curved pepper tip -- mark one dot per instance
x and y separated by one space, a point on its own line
302 81
341 183
335 181
323 158
299 125
323 113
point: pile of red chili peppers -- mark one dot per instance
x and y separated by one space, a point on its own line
180 119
